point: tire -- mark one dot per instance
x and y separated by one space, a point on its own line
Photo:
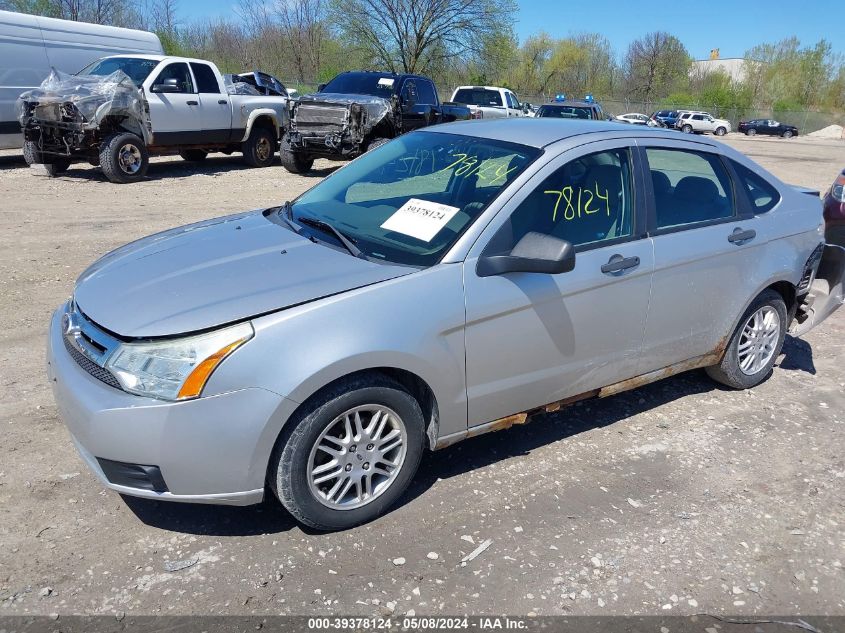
687 129
124 158
735 373
751 132
331 504
193 155
31 154
377 142
720 131
294 162
56 167
787 134
260 148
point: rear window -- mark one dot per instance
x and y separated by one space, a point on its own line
564 112
478 97
761 193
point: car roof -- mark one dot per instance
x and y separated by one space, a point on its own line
157 58
541 132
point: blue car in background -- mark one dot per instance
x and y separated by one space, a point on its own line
665 118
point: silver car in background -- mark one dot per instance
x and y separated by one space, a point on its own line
455 281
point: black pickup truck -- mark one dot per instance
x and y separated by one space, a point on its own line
360 110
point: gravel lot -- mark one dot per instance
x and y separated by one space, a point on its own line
677 498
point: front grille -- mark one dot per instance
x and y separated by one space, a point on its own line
101 374
319 118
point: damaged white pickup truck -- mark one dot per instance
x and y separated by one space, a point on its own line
119 110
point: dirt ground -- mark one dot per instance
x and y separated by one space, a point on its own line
677 498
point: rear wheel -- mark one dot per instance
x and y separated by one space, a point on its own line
193 155
294 162
350 454
124 158
720 131
787 134
754 345
687 129
260 148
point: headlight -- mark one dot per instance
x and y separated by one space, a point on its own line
176 369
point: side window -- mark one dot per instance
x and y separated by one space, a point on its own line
425 93
763 196
587 201
516 104
689 187
206 79
409 92
697 117
178 71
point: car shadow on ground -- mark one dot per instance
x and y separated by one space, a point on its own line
269 517
214 165
797 355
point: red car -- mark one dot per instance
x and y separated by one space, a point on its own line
834 212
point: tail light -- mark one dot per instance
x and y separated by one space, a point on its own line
837 190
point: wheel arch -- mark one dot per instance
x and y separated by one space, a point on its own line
263 117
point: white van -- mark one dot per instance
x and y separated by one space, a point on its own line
30 45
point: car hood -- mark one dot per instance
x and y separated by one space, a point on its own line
216 272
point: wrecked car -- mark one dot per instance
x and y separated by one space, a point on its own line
119 110
358 111
457 280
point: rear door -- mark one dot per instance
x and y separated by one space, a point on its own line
175 116
215 108
514 107
534 339
705 245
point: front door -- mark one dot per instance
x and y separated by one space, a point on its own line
174 106
533 339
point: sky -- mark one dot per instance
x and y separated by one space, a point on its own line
732 26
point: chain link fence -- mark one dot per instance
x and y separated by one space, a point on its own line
805 120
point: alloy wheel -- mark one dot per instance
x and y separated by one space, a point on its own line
758 340
357 457
129 158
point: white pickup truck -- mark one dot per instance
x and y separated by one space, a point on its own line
489 102
121 109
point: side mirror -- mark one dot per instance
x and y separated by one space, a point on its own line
320 87
534 253
168 85
525 108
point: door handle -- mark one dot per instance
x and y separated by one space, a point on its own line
222 102
740 237
618 264
193 103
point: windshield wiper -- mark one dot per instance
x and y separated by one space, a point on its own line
328 228
286 215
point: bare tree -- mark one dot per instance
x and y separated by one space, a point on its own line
415 35
654 64
303 25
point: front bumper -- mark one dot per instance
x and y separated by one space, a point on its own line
213 449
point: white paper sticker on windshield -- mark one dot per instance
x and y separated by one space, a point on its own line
420 219
386 81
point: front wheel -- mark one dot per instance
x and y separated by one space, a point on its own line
754 345
294 162
124 158
751 132
787 134
260 148
350 455
31 154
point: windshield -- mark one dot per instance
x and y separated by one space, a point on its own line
564 112
478 97
138 69
361 84
408 201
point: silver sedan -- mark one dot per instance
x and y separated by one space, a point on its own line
454 281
